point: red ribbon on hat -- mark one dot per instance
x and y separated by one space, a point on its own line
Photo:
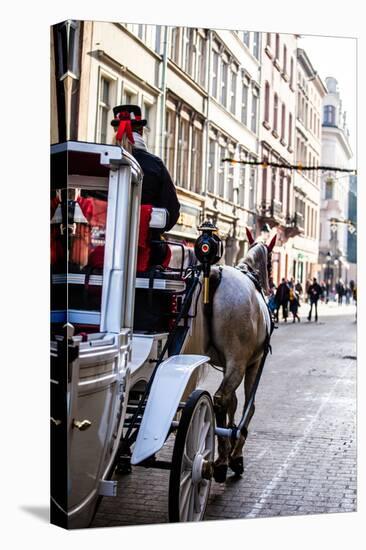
125 126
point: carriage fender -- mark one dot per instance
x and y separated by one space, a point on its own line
166 392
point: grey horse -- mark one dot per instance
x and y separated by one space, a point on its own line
234 338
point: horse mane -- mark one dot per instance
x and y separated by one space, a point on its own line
256 259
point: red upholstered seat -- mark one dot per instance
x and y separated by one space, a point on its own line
144 242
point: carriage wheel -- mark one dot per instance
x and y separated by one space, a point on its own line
193 454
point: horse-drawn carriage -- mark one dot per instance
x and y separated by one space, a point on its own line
123 377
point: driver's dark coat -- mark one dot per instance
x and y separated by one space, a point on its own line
157 186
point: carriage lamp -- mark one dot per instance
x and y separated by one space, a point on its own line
208 249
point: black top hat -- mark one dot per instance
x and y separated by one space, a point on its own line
128 112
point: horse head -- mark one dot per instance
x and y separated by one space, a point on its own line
259 258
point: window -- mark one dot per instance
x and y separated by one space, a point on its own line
230 182
329 188
141 31
175 50
244 101
215 72
211 166
292 73
283 121
233 89
290 130
254 114
170 149
284 58
246 38
196 156
264 181
158 39
201 60
256 45
252 185
147 115
273 181
275 113
329 115
242 172
104 108
277 52
127 98
221 171
266 101
183 153
224 75
281 186
288 196
268 38
190 51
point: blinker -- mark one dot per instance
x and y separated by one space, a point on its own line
208 249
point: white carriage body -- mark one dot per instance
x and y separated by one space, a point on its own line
92 374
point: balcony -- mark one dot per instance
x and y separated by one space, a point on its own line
294 225
271 212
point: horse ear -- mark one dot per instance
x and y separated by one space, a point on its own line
272 243
250 236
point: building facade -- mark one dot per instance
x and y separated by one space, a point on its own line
309 104
352 230
277 144
336 151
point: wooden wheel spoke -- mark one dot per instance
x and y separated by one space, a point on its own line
185 499
191 503
203 435
187 476
187 462
206 453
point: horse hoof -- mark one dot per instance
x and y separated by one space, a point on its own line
220 472
237 465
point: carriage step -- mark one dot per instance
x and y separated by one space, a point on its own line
132 409
137 422
107 488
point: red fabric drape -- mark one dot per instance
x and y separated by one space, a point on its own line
144 248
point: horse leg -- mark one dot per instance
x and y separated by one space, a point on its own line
222 400
236 462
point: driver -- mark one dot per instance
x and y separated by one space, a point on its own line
157 187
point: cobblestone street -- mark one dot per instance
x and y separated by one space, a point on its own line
300 456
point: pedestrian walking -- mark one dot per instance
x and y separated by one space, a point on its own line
340 290
294 304
299 289
348 293
272 303
282 298
314 293
323 296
